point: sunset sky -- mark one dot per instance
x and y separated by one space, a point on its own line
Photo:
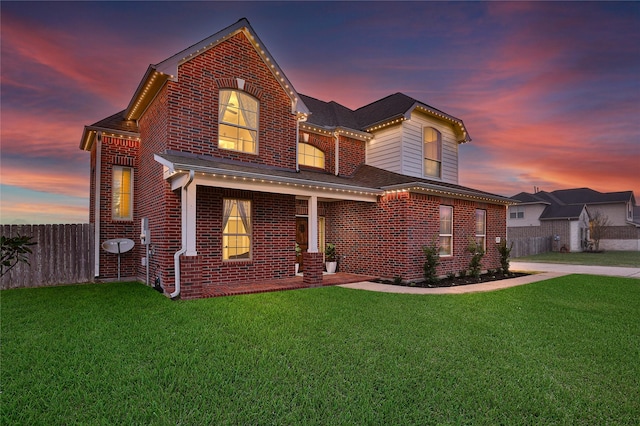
550 92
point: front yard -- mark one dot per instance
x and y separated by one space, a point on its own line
563 351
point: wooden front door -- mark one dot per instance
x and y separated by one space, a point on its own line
302 237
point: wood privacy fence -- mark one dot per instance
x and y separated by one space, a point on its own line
527 246
63 254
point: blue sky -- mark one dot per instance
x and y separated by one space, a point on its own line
549 91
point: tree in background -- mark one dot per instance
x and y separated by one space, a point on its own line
14 250
598 228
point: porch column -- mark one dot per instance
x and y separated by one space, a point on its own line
312 275
189 203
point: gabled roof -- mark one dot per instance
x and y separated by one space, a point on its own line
390 110
114 125
158 74
568 203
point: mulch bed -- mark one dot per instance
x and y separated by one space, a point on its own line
457 281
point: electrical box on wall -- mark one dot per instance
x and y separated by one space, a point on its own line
145 234
497 240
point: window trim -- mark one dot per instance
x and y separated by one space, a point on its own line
116 216
446 235
221 122
438 141
248 234
484 226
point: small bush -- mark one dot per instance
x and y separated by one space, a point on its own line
451 275
431 263
397 280
462 273
505 252
477 252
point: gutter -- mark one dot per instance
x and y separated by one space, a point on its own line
97 216
337 156
183 249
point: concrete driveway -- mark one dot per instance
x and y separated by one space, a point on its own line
614 271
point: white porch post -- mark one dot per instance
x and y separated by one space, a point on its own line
189 202
313 224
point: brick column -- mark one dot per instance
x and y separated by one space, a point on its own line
313 267
190 277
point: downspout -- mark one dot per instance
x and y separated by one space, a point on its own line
96 215
176 256
337 167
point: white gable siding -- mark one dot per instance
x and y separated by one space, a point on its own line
384 150
531 217
400 149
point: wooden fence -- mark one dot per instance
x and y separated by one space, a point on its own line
527 246
63 254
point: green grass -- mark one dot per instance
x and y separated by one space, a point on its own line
563 351
607 258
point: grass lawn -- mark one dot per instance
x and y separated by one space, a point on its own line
562 351
607 258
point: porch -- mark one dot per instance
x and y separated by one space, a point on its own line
293 283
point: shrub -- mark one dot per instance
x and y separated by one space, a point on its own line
14 250
477 252
504 255
451 275
431 263
462 273
397 280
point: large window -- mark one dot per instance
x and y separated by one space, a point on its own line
309 155
446 231
236 229
122 193
238 121
432 152
481 229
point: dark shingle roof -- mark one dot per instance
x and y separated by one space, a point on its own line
329 114
117 122
365 177
568 203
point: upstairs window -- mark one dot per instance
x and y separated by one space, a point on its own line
309 155
122 193
446 231
236 229
238 122
516 212
481 229
432 152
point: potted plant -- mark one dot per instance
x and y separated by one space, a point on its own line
298 253
330 258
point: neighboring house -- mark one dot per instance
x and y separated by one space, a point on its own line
564 216
230 166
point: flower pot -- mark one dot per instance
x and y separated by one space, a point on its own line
331 267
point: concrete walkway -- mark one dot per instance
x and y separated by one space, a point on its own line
541 272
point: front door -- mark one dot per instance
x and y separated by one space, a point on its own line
302 237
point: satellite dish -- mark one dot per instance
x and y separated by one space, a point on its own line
118 245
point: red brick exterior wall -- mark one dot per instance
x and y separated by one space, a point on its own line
351 152
386 238
114 152
193 104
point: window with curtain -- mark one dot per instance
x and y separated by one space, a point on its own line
481 228
236 229
432 152
238 121
122 193
309 155
446 231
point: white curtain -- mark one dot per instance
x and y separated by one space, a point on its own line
244 208
224 102
226 212
248 110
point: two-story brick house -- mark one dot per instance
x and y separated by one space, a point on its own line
231 166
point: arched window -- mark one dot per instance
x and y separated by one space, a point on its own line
432 152
309 155
238 121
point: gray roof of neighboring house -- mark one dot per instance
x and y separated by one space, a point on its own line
568 203
116 122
